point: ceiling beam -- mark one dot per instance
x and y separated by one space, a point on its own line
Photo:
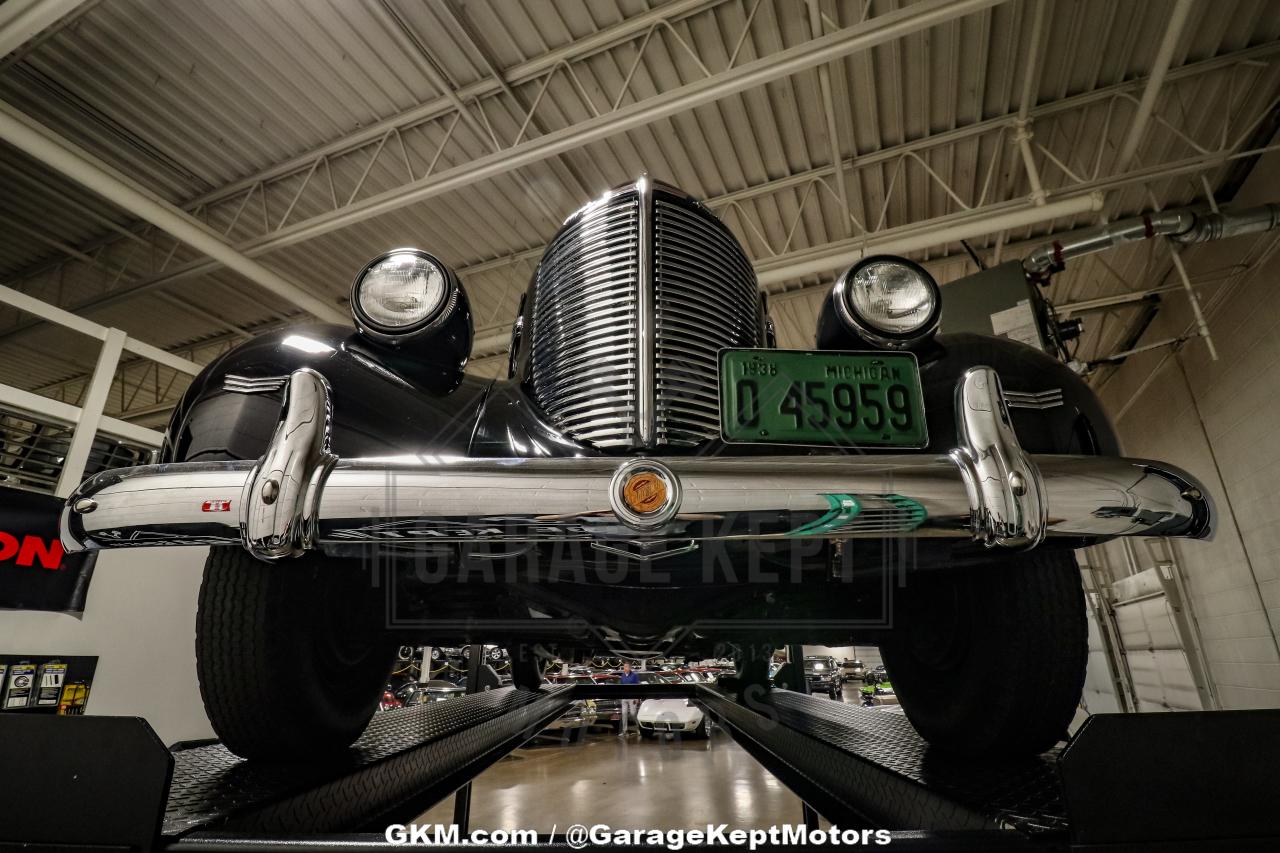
1155 82
65 157
605 39
919 236
584 48
23 20
863 36
1038 113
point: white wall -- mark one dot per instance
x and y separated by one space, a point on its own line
140 621
1221 421
869 655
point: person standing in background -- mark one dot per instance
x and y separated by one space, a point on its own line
629 706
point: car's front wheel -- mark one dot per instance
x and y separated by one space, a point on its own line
991 660
292 656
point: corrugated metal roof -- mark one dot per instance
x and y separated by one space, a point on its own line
198 100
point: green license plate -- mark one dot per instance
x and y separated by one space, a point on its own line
847 399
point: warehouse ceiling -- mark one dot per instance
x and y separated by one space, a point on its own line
314 134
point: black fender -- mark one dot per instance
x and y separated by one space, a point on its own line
385 402
1078 426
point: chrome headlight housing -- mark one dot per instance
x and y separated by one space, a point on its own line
888 301
402 292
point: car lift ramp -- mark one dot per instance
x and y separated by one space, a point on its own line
1126 782
868 767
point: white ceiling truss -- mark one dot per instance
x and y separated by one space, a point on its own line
541 131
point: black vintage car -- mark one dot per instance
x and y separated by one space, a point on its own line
653 475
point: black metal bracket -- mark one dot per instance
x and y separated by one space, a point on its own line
100 782
1190 777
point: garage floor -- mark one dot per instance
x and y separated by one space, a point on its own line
628 783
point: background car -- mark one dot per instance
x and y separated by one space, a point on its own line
877 689
822 676
602 712
573 724
852 670
675 715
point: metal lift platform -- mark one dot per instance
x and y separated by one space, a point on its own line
1125 782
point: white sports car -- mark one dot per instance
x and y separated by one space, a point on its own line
672 715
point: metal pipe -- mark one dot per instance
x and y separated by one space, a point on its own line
63 156
1032 72
1232 223
1182 226
1160 67
1202 326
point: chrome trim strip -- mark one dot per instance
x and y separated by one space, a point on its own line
646 341
1048 399
253 384
986 489
645 556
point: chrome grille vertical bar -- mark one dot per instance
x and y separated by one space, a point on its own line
706 298
633 299
583 324
646 383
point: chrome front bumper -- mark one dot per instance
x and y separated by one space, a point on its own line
299 496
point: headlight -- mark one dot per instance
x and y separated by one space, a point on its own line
888 301
401 291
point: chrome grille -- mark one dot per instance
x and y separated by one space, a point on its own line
583 361
588 361
706 299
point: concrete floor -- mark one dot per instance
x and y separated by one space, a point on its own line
628 783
